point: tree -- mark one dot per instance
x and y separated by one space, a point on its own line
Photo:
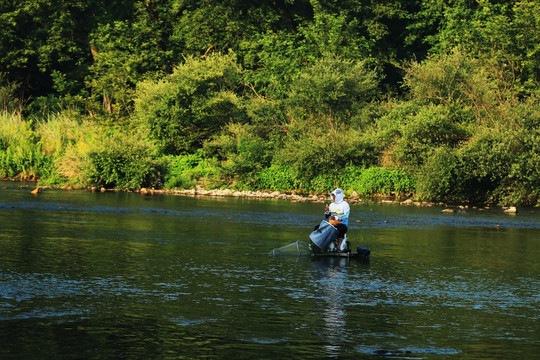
323 99
332 91
504 34
44 43
126 51
190 105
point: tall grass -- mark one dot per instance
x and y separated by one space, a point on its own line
21 156
67 140
63 150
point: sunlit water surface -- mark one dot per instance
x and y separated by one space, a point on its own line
119 275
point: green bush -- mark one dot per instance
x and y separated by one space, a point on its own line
272 60
442 177
320 139
276 178
188 107
121 161
428 129
321 184
186 171
313 154
465 84
376 181
243 149
58 131
328 93
365 181
467 175
493 167
521 184
283 178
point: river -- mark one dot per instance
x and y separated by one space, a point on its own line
128 276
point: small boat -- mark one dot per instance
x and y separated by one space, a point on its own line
323 243
301 248
361 254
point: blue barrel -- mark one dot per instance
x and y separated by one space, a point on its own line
323 235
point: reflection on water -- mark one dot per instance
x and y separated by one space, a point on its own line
332 275
120 275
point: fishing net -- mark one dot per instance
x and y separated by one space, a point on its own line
297 248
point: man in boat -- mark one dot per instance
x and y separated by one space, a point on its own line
337 214
333 228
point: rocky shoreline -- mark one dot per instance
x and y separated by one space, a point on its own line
353 198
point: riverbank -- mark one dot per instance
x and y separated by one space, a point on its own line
353 198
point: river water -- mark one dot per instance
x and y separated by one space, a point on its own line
125 276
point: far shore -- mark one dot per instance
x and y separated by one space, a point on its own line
353 198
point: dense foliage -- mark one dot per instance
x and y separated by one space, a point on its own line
433 99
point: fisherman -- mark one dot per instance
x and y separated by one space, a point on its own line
337 214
